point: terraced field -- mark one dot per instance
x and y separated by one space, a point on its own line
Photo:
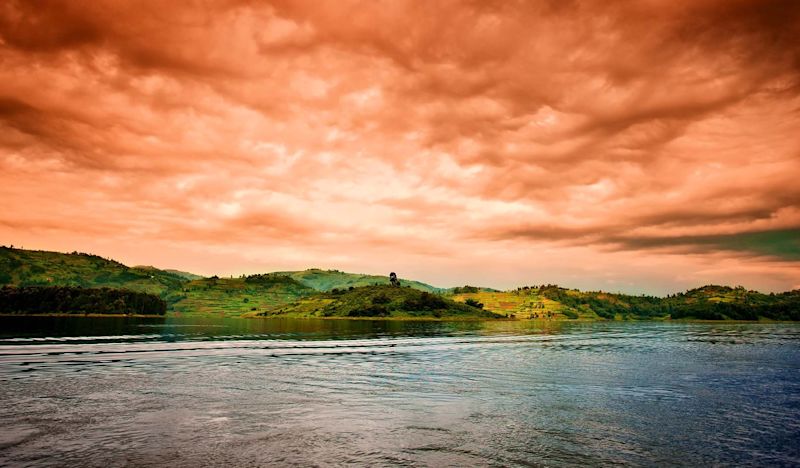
520 304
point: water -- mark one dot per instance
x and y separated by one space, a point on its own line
146 392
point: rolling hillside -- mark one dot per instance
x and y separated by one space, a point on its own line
232 297
20 267
527 304
323 293
723 302
380 301
327 280
183 274
706 303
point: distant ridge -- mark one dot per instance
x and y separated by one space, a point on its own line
327 280
316 291
20 267
185 274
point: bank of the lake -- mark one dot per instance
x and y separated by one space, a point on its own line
412 318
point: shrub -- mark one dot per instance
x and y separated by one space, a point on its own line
472 302
370 311
381 299
71 300
425 301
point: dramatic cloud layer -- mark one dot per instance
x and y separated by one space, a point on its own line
640 146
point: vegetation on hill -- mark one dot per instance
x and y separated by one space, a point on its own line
232 297
183 274
723 302
379 301
75 300
469 290
521 304
327 280
706 303
605 305
332 293
40 268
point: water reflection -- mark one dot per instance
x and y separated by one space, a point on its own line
216 328
234 392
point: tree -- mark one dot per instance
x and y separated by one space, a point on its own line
393 279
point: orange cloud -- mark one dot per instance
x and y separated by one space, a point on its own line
637 146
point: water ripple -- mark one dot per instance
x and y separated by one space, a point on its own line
380 394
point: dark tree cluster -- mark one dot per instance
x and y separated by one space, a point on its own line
381 299
425 301
472 302
369 311
73 300
267 279
465 289
779 310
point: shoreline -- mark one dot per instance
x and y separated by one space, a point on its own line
407 319
4 314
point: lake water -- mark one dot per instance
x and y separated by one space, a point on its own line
177 392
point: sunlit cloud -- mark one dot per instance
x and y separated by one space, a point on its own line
639 146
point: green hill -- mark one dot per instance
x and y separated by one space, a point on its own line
380 301
184 274
722 302
521 304
232 297
41 268
707 303
332 293
327 280
185 293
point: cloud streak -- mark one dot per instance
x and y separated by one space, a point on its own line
461 141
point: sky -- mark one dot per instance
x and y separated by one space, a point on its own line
640 146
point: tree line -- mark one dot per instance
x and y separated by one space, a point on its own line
784 306
76 300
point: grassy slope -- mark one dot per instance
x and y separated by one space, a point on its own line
184 274
326 280
715 293
521 304
185 296
232 297
40 268
378 301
